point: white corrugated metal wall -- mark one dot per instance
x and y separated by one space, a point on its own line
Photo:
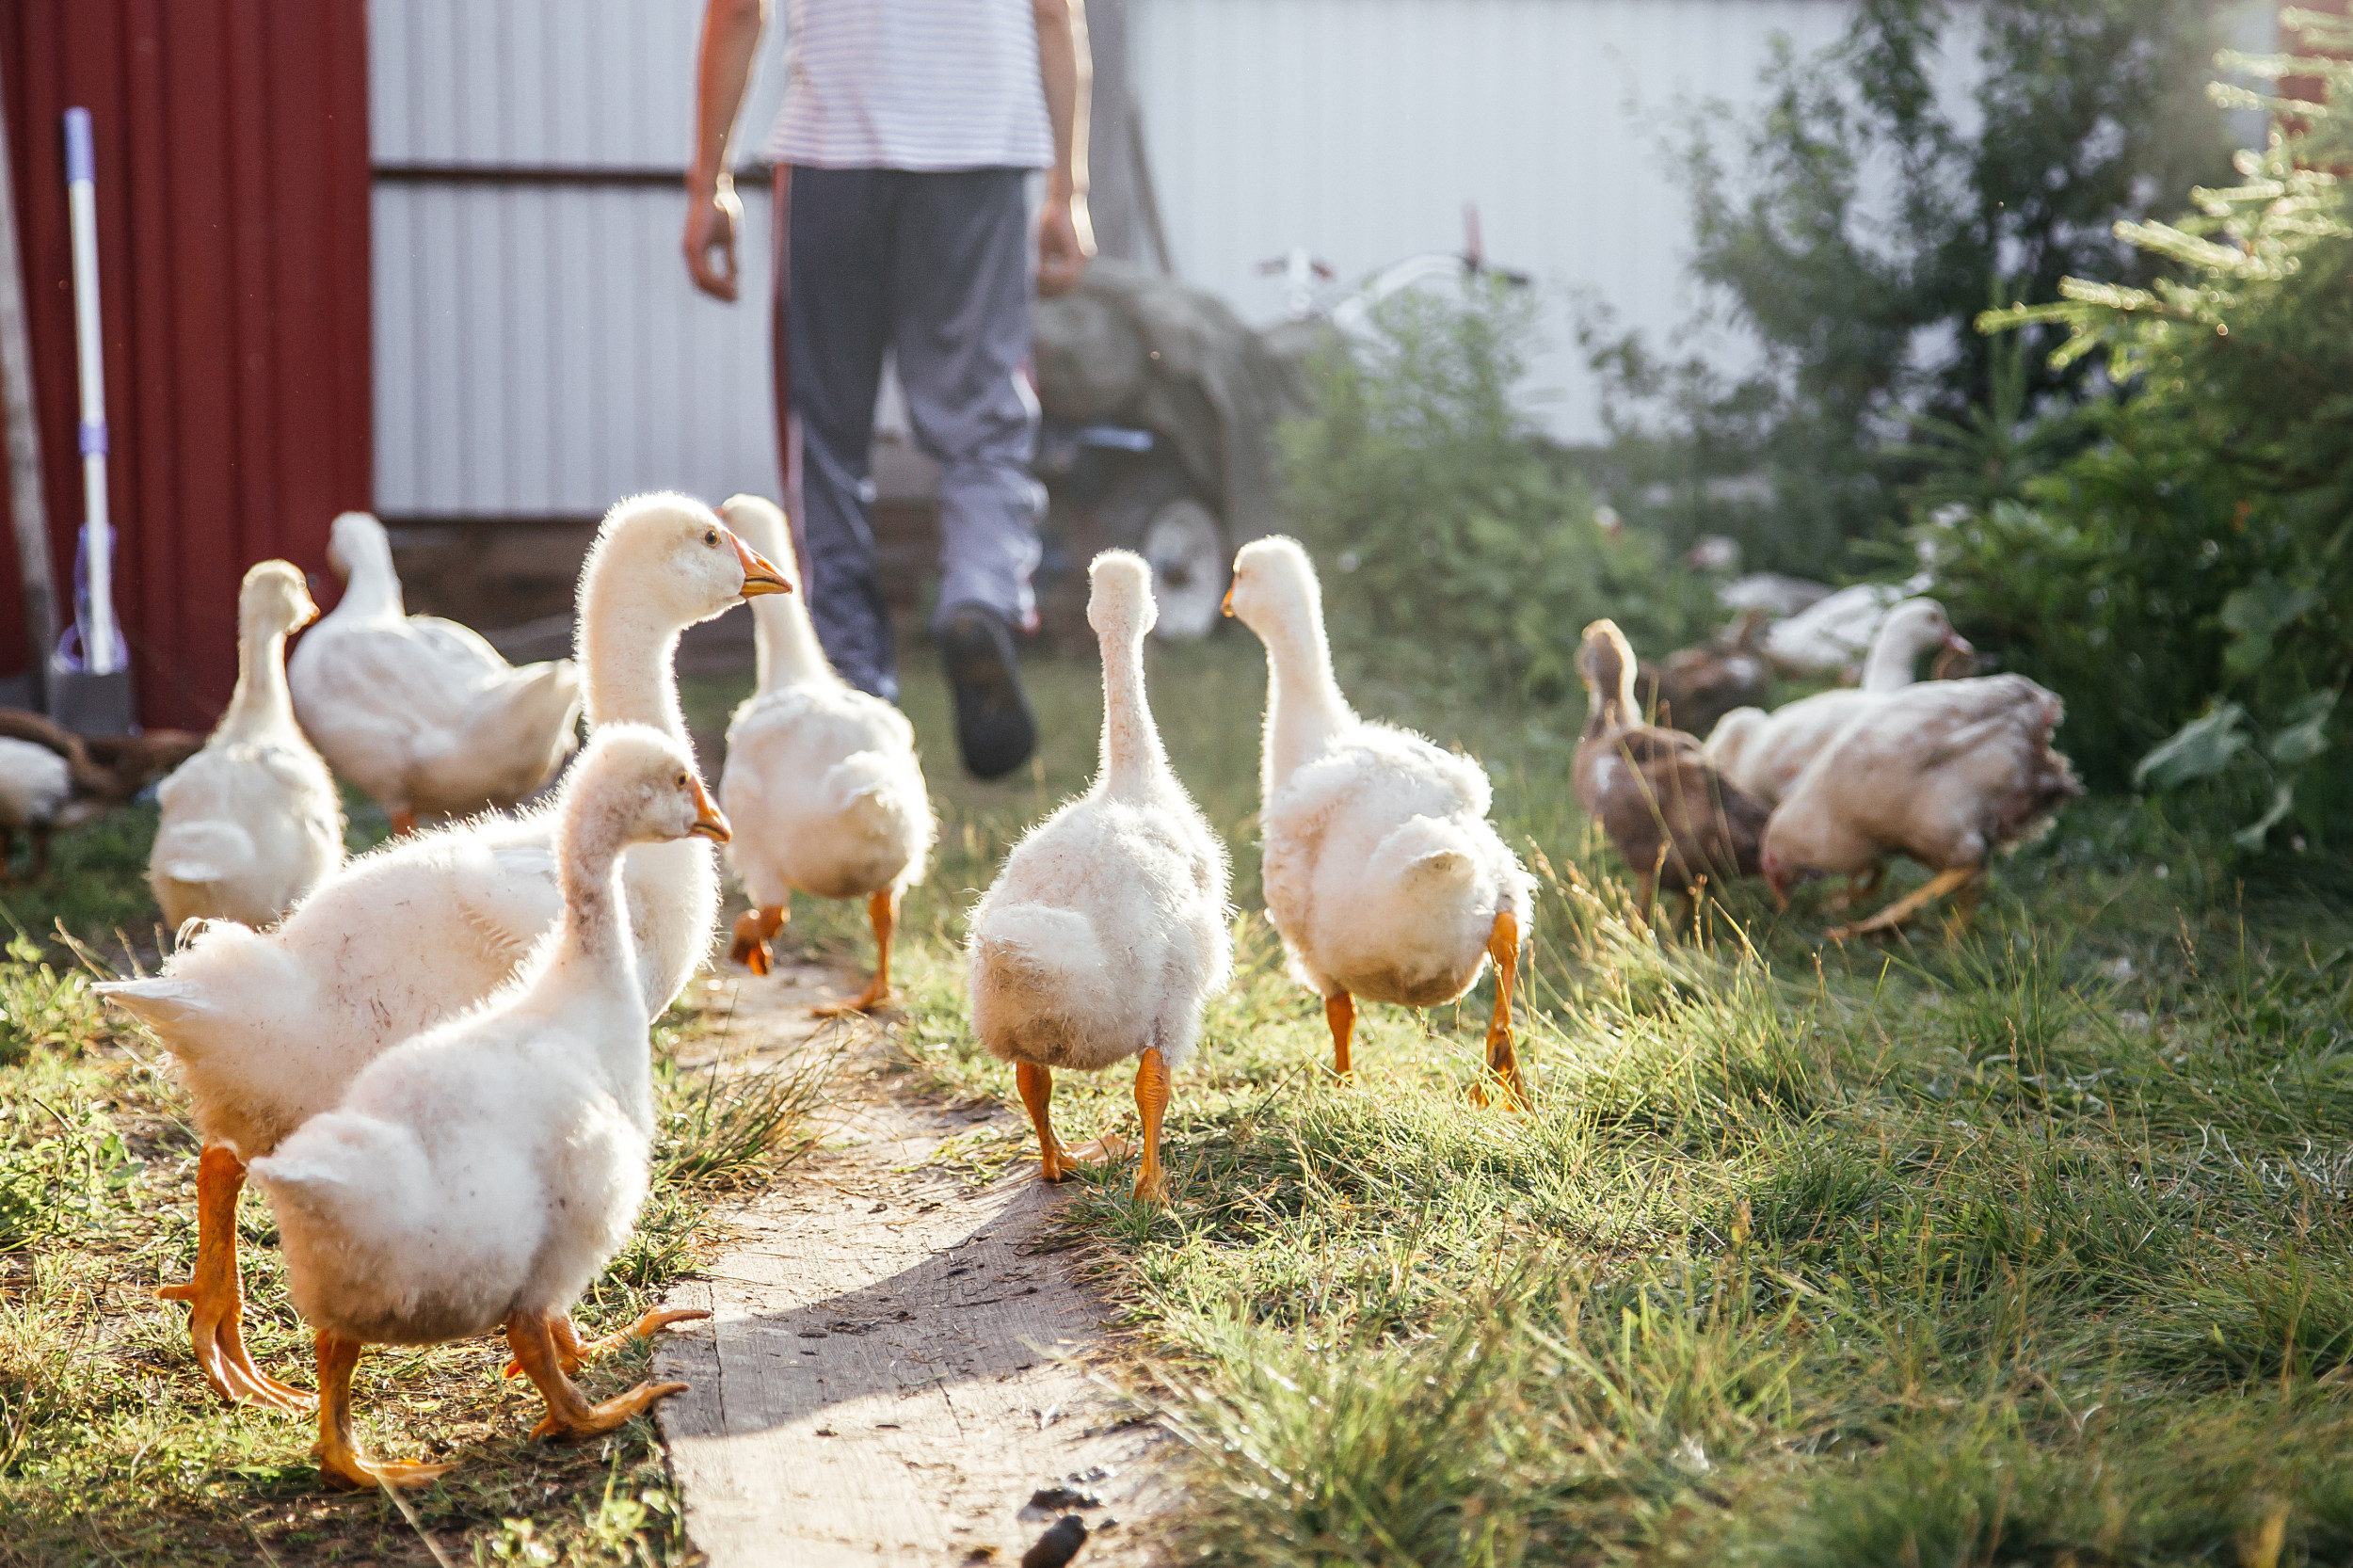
538 349
1357 129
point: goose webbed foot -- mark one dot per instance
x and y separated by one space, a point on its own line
753 930
1503 1060
531 1336
571 1354
341 1462
216 1297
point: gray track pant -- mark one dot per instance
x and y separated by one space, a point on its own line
935 266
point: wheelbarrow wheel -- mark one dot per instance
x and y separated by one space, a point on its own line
1186 549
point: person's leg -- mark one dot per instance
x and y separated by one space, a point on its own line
833 231
961 330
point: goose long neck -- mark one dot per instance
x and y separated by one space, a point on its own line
1303 706
261 703
1613 703
785 642
1132 757
1889 665
593 972
627 652
373 587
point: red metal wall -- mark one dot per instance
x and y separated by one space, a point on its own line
232 231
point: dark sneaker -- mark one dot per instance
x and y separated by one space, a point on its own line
995 728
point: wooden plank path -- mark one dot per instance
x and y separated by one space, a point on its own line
893 1366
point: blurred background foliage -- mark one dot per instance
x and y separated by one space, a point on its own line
1852 230
2050 339
1461 541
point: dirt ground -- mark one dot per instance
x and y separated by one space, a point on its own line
897 1369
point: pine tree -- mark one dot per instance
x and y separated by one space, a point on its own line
2237 375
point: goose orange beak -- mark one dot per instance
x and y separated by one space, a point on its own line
761 575
709 821
1226 608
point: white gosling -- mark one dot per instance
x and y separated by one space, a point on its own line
420 711
822 780
270 1028
478 1175
252 822
1106 934
1765 754
1383 875
36 795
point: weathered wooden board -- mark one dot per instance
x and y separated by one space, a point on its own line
893 1366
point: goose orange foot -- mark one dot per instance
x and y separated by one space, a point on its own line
882 912
1503 1061
572 1355
216 1297
1054 1162
531 1336
341 1462
754 928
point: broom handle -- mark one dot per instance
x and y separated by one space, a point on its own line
81 197
25 497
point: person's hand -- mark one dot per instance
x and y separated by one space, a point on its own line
1063 245
710 225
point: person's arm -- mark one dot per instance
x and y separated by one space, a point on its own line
1065 237
731 30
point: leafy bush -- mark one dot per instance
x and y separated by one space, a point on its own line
1852 227
2194 567
1446 529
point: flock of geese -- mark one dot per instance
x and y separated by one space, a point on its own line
433 1060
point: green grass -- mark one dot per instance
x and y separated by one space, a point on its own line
113 1451
2031 1242
2027 1243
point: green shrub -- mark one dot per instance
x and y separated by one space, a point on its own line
2194 567
1455 544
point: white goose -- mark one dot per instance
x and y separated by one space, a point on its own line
1106 933
252 822
36 795
420 711
270 1028
1764 753
1950 772
822 780
1383 876
478 1175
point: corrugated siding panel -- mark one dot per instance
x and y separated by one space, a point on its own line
232 224
539 350
1357 129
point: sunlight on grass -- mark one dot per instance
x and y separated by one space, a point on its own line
2023 1242
2031 1241
112 1450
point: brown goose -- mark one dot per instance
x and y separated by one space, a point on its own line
1673 819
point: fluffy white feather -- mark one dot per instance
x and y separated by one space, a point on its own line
1106 931
252 822
419 711
1764 753
417 931
821 781
1383 875
35 783
490 1166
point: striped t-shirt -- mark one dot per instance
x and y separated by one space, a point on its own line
911 84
